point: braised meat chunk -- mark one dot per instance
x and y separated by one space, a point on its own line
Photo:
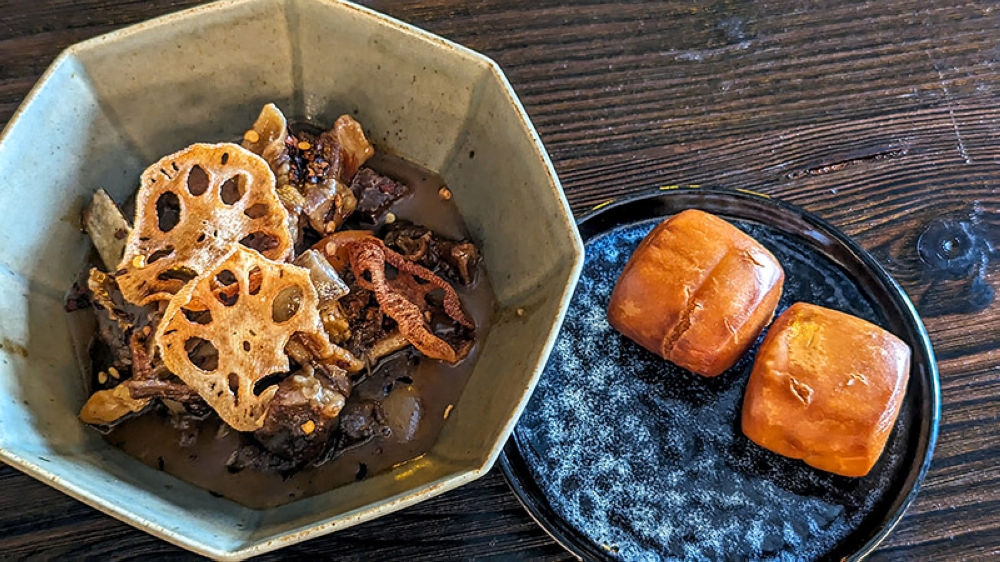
312 170
384 406
455 260
300 420
132 377
118 320
375 193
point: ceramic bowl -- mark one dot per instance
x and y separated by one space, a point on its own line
110 106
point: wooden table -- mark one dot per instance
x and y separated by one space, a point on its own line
881 117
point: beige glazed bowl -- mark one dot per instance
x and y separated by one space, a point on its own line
110 106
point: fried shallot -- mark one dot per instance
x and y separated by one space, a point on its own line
404 297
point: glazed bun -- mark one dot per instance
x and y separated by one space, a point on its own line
697 291
826 388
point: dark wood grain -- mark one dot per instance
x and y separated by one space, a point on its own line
881 117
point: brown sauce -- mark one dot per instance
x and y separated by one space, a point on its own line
415 410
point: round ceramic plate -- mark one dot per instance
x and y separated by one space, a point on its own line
621 455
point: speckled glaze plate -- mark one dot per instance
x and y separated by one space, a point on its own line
620 455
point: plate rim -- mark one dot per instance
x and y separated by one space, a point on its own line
514 468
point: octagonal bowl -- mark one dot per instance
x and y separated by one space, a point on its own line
112 105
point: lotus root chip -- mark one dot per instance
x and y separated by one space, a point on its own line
191 208
228 329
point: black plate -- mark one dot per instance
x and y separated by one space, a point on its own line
621 455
